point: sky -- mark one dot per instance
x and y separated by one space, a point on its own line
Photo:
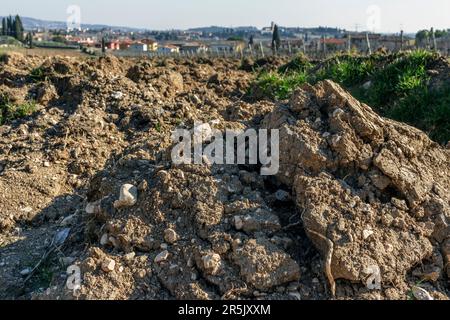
373 15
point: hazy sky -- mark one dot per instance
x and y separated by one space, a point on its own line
379 15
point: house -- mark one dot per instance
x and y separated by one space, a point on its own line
193 47
334 44
125 44
152 45
294 45
138 47
113 45
228 46
166 49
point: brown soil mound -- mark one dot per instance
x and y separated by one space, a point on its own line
365 191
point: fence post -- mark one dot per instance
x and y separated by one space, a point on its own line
369 49
433 37
401 40
262 49
349 43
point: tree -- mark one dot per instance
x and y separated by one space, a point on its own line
103 45
9 26
276 39
29 40
251 42
18 28
4 27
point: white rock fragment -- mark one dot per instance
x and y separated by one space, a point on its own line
128 196
367 85
421 294
238 223
211 263
367 233
25 272
163 256
108 265
104 240
92 207
129 256
117 95
338 112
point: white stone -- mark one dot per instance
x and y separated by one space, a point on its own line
25 272
117 95
238 223
163 256
92 208
108 265
128 196
421 294
104 240
367 233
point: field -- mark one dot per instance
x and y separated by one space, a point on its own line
359 208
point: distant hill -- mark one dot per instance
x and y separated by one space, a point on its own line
32 23
217 29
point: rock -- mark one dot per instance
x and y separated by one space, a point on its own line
367 85
25 272
282 195
367 233
163 256
446 255
211 263
258 221
117 95
170 236
46 164
421 294
108 265
129 256
104 240
69 220
238 223
92 208
128 196
278 267
67 261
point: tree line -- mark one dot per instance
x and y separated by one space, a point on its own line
13 27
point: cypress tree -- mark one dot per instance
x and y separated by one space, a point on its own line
103 45
9 26
18 28
4 27
276 40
